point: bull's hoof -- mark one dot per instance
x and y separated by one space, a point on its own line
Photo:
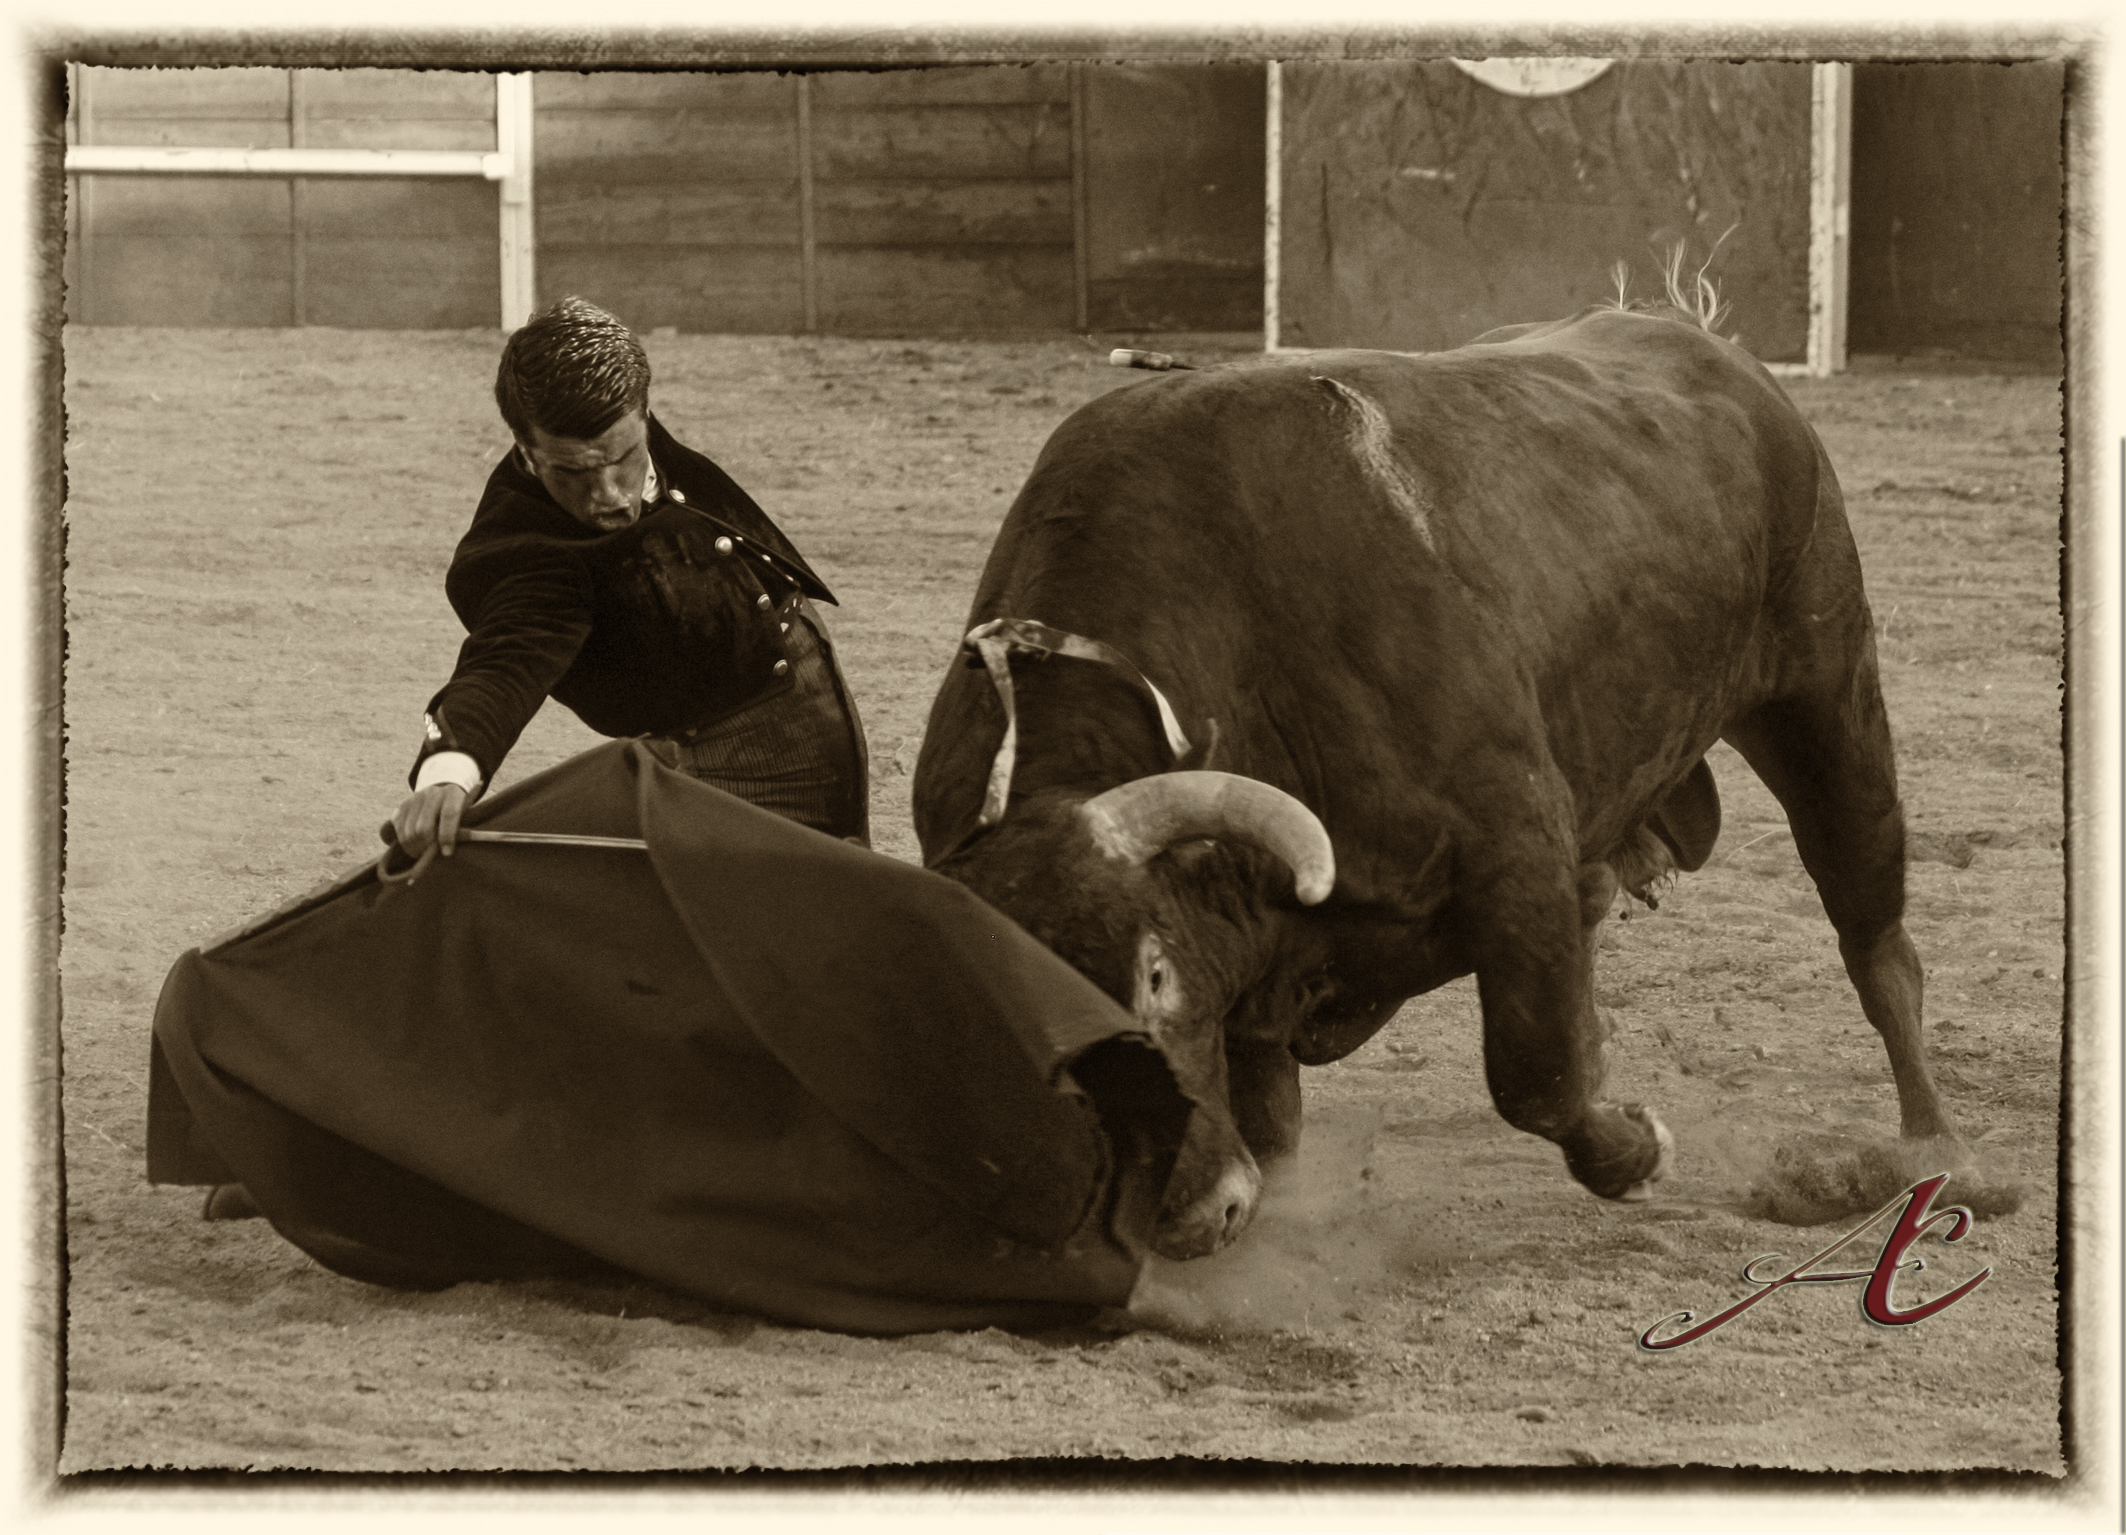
1620 1151
230 1202
1930 1125
1644 1188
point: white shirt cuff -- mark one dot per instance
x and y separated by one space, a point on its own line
449 767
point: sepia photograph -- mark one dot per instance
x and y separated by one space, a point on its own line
1079 763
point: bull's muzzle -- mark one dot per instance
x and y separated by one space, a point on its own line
1214 1220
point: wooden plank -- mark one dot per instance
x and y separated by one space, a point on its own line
1080 214
1186 297
947 213
741 93
192 280
237 207
1175 167
404 282
939 291
461 211
1422 208
696 213
187 93
387 93
992 84
399 133
1956 199
194 132
807 223
678 195
984 141
747 292
626 145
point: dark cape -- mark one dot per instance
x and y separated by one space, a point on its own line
754 1063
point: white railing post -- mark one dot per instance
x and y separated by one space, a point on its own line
1272 196
513 143
1830 214
157 160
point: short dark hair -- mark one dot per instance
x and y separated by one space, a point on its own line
572 370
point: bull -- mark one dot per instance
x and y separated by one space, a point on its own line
1301 686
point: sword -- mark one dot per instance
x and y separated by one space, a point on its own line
318 895
478 834
550 838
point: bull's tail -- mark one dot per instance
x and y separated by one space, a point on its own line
1697 297
1620 274
1690 295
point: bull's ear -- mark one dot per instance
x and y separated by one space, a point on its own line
1204 754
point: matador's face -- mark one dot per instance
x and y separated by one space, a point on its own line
599 480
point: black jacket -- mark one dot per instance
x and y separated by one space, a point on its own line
648 630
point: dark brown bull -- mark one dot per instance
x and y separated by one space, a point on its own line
1464 626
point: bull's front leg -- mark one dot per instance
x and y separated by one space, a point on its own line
1531 929
1262 1083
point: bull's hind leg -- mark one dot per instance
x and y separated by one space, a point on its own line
1828 761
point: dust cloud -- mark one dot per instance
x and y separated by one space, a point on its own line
1323 1235
1814 1177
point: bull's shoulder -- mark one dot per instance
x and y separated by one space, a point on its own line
1533 330
1176 402
1555 369
1607 339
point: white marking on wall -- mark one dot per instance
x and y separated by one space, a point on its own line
1372 443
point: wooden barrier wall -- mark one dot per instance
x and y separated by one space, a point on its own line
943 200
670 199
920 200
1956 211
980 199
1174 196
268 250
1419 207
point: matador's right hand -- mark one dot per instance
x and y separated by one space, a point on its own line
430 815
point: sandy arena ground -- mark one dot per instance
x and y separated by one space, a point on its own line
258 525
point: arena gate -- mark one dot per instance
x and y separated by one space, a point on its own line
1419 205
1415 204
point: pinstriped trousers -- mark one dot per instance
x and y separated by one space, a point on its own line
800 754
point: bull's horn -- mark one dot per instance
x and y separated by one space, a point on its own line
1137 821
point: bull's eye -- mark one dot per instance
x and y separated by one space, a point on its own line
1158 987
